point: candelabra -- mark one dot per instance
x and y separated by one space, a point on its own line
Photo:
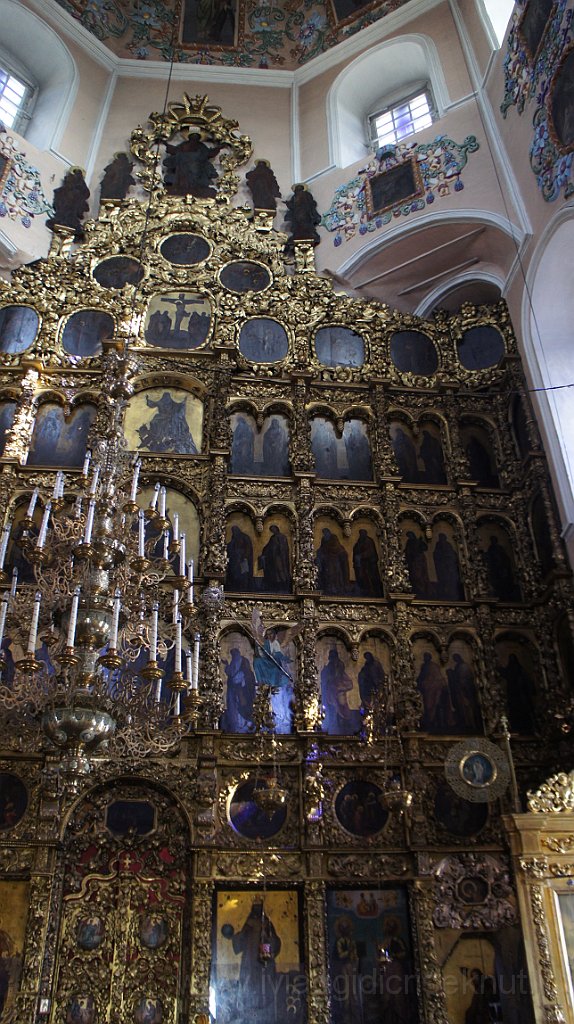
380 722
112 606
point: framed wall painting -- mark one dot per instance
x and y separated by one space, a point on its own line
7 414
532 25
484 976
263 340
393 187
213 25
257 969
117 271
561 103
337 345
164 420
13 913
564 908
18 328
343 11
371 975
185 249
57 440
85 331
179 320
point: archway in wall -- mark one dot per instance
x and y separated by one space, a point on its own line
413 266
548 315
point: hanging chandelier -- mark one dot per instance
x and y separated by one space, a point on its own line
112 606
380 723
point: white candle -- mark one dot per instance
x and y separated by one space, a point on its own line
190 580
153 632
176 705
135 478
87 460
34 624
89 522
73 618
195 676
162 494
175 605
32 504
178 645
4 543
58 485
78 507
189 665
14 582
155 496
175 527
115 620
182 566
3 613
44 525
95 479
141 534
165 546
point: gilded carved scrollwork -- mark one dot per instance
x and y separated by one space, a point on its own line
555 796
316 949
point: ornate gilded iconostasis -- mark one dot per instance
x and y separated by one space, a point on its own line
275 792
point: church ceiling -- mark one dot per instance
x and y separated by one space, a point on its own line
233 33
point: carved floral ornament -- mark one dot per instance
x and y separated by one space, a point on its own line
473 892
555 796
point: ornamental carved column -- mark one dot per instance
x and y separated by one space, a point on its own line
316 952
432 989
202 896
20 434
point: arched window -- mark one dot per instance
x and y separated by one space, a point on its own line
33 54
17 94
384 79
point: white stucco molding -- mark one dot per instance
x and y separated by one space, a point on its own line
432 299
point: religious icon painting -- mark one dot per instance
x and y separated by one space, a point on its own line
153 930
85 331
90 931
13 800
359 809
259 452
393 187
348 686
18 328
450 703
148 1009
564 902
460 817
496 551
263 340
7 414
60 441
532 24
257 968
130 816
348 563
414 352
165 421
187 520
560 103
118 271
14 901
339 346
81 1010
245 276
480 347
344 457
212 25
178 320
518 668
484 976
371 970
185 250
480 455
246 816
346 11
258 562
243 669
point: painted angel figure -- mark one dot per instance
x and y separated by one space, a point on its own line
275 667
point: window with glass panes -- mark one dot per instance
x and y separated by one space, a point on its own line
405 118
13 98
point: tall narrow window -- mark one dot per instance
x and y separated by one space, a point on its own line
411 115
15 96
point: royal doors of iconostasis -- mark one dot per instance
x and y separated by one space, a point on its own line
124 934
